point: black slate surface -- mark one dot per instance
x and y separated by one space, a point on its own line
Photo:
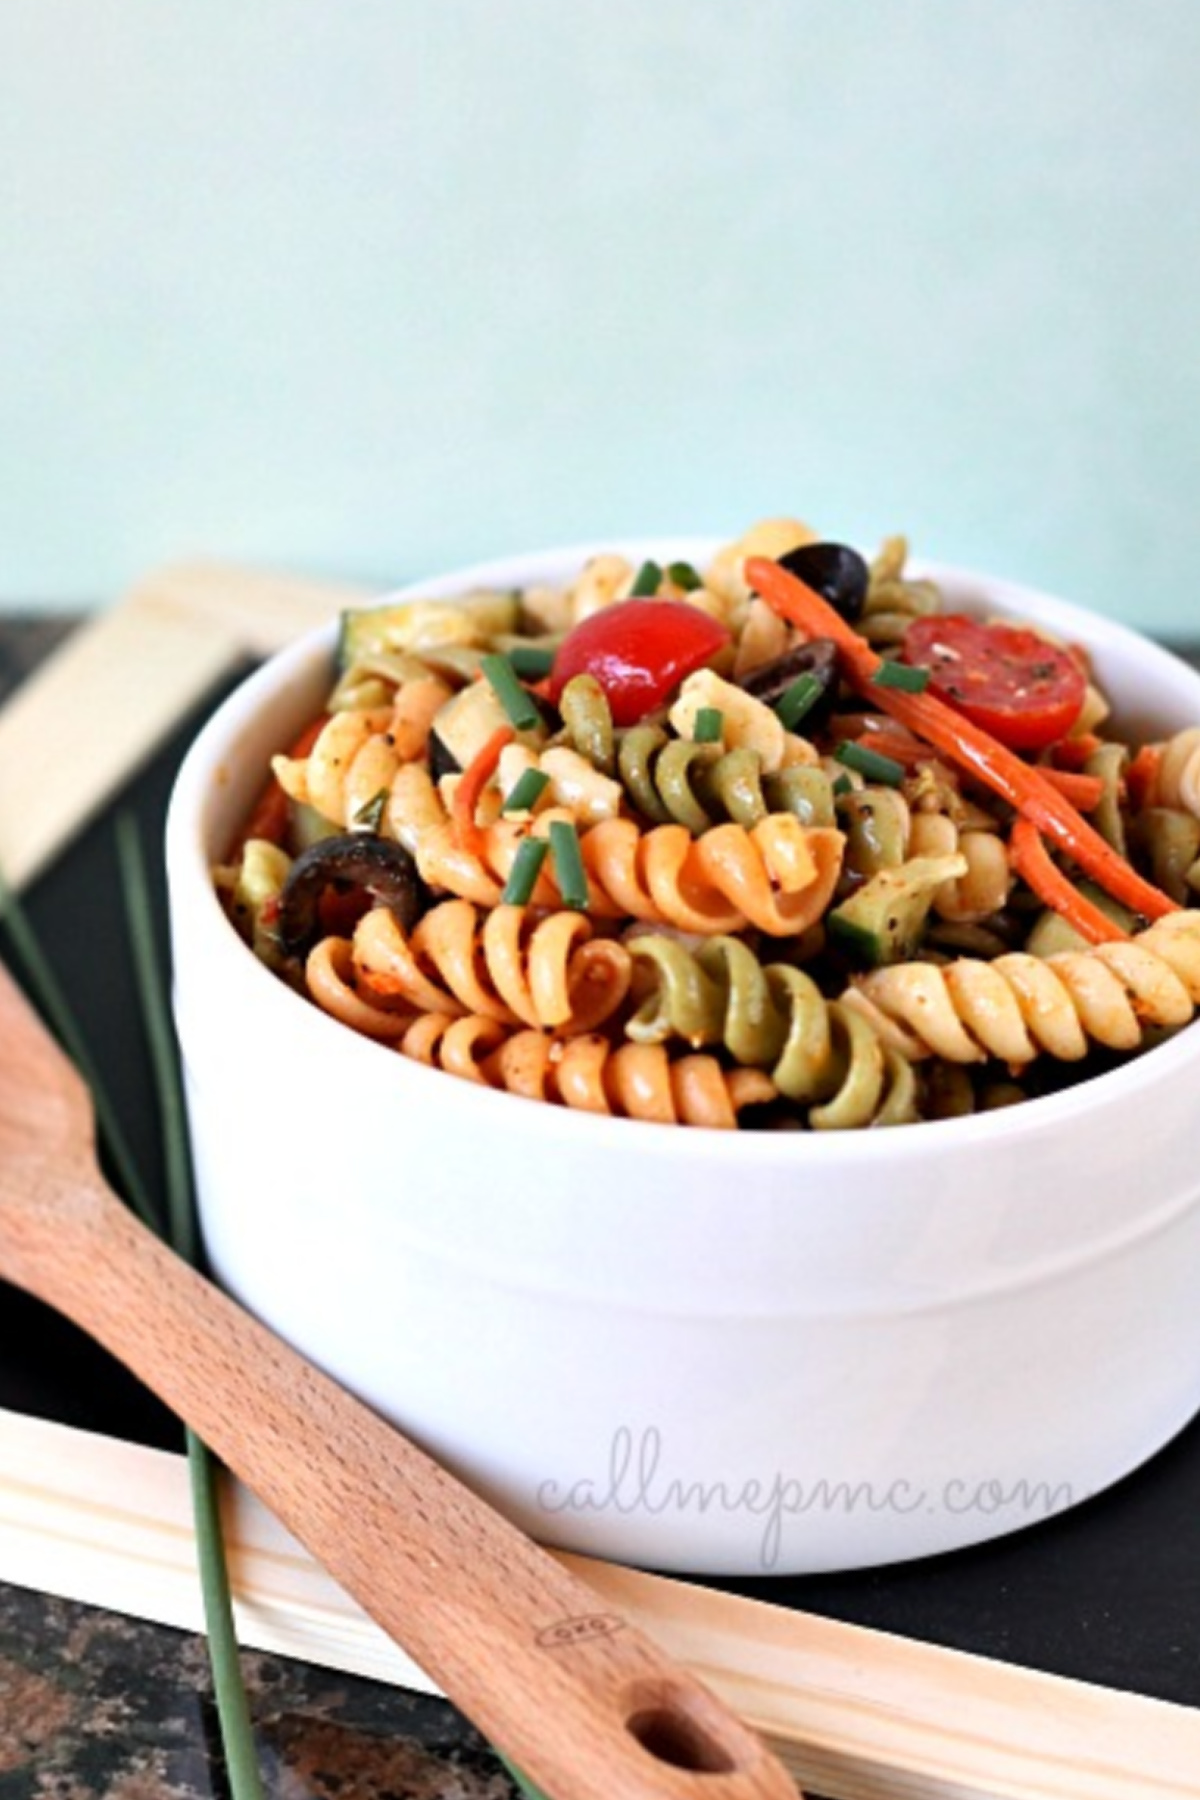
1108 1593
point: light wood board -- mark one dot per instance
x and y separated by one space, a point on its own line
856 1714
101 704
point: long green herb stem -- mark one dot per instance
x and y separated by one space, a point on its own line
233 1710
55 1009
160 1040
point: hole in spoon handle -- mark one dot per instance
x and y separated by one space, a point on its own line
689 1732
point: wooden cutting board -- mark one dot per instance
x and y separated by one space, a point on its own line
856 1711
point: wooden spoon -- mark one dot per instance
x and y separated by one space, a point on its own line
581 1701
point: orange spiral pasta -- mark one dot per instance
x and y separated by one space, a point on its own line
513 967
779 875
632 1081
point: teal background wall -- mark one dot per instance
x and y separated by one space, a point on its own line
376 287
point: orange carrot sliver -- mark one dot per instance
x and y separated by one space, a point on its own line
1142 773
992 763
474 779
1073 752
1033 864
1083 791
269 818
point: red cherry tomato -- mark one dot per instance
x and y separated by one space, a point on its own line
639 651
1007 680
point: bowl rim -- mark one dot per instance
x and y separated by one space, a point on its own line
189 863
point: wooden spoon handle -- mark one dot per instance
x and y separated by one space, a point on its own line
581 1701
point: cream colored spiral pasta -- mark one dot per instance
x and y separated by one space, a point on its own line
984 889
1177 780
418 818
1020 1006
725 575
352 760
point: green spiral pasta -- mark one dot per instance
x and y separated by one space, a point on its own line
1109 763
894 599
674 780
774 1017
587 721
1171 838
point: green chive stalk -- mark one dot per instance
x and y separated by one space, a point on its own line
233 1709
53 1005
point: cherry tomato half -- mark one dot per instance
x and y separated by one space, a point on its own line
639 651
1005 679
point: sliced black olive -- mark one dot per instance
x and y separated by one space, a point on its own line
377 869
836 572
771 681
442 760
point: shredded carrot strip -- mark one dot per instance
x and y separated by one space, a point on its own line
885 736
474 779
270 816
1073 752
1033 864
992 763
1083 791
1142 773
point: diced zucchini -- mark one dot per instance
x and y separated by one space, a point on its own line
307 826
467 720
883 921
256 885
1051 933
471 621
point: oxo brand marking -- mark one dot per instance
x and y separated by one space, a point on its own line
579 1630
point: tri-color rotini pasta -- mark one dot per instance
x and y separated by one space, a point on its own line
778 843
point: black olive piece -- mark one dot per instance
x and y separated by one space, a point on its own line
770 681
836 572
373 866
442 760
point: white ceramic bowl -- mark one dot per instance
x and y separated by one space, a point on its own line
726 1353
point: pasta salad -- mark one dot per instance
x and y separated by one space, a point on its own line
781 842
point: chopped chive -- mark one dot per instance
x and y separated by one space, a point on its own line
798 699
522 877
893 674
531 661
843 785
648 580
516 701
870 763
526 790
369 815
710 721
568 864
682 575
